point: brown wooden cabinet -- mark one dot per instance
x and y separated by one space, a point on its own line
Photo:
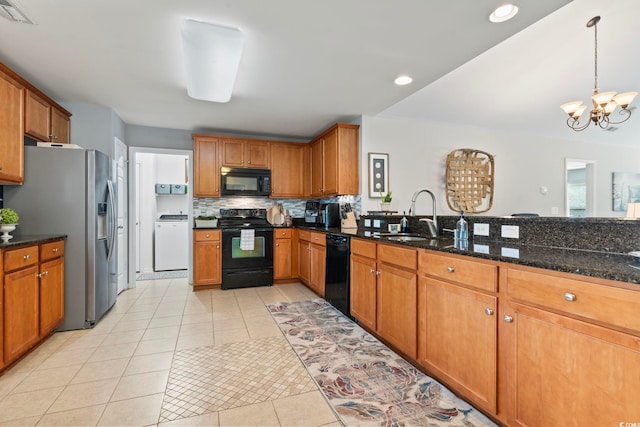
311 260
363 293
51 286
245 153
284 255
334 162
44 120
60 126
207 258
287 170
206 172
11 128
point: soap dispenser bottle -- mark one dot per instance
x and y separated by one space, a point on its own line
404 224
462 228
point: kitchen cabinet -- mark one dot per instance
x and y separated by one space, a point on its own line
207 258
51 286
21 314
44 120
206 172
457 325
384 288
312 260
11 128
573 350
287 170
284 255
334 162
245 153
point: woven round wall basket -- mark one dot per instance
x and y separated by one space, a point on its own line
469 180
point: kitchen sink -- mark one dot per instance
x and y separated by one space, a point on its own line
407 238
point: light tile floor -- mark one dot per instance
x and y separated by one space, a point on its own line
154 356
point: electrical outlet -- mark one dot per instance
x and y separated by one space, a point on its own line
367 222
510 252
481 249
376 223
511 231
393 228
480 229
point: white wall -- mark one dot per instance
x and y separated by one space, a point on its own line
170 169
523 164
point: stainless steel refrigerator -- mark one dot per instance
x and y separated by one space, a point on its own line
69 191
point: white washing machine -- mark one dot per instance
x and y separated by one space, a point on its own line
171 245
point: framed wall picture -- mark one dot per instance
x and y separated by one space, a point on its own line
378 174
626 189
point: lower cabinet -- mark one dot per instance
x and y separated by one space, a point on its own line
284 255
33 296
312 254
363 279
207 258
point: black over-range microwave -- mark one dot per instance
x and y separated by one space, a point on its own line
245 182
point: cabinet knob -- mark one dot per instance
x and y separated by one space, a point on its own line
569 297
277 244
217 246
55 250
206 235
488 312
52 136
371 270
451 269
508 318
378 273
248 162
26 257
283 233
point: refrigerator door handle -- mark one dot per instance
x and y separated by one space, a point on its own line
112 202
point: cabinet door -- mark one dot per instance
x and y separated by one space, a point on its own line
207 265
37 117
318 261
568 372
282 259
257 154
363 290
233 153
206 172
51 295
304 260
330 164
287 171
60 126
20 312
317 185
398 308
458 339
11 131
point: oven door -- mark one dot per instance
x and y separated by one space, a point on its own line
235 257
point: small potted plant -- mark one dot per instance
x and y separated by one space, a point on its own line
385 201
8 221
206 221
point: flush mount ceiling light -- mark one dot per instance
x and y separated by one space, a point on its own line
11 10
604 103
503 13
401 80
212 56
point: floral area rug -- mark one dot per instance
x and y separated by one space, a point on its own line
366 383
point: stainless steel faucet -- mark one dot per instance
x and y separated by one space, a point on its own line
433 223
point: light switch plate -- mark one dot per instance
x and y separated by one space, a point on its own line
511 231
376 223
480 229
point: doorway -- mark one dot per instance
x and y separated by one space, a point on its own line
152 166
580 188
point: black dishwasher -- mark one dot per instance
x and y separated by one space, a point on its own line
336 290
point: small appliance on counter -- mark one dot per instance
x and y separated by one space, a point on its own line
330 215
312 212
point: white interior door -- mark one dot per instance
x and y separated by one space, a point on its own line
120 151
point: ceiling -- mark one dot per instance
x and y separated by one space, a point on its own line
307 64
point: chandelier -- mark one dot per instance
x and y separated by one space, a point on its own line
604 103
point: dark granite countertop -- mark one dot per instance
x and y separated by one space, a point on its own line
20 239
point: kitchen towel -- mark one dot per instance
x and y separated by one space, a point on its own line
247 238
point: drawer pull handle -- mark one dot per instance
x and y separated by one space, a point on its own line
508 318
451 269
26 257
488 312
206 235
569 297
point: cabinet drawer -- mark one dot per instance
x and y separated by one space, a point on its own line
466 272
19 258
51 250
363 248
281 233
616 306
318 238
304 235
402 257
206 235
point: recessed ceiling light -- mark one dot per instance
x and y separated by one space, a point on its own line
403 80
503 13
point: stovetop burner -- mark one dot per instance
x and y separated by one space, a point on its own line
250 218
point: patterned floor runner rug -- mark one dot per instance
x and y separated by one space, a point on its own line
366 383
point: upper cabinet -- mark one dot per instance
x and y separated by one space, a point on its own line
11 129
245 153
206 171
334 162
45 121
287 170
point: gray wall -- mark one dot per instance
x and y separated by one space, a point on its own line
95 126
